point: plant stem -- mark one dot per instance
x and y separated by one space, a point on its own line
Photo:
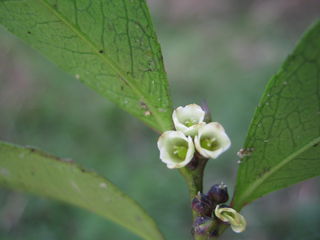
193 175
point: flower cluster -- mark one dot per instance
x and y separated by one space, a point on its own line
210 206
192 134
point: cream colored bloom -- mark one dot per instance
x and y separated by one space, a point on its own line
211 140
188 119
176 150
229 215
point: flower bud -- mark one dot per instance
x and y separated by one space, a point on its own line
202 205
202 225
218 193
229 215
188 119
176 150
211 140
205 108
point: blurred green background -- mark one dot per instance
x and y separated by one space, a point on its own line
222 52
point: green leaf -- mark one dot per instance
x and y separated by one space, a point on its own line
39 173
109 45
285 131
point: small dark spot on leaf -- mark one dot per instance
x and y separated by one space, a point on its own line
29 32
101 51
263 172
130 74
244 152
143 105
82 170
121 87
138 219
32 149
316 145
125 82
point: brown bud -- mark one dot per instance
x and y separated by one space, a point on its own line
218 193
202 205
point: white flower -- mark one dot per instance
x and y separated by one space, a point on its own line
188 119
236 220
176 150
211 140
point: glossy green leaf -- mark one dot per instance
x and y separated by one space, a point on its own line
39 173
109 45
282 146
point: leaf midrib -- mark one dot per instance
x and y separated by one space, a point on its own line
127 79
273 170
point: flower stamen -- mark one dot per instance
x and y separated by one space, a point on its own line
190 122
209 143
180 152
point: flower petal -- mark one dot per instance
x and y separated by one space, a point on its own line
229 215
188 119
176 150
